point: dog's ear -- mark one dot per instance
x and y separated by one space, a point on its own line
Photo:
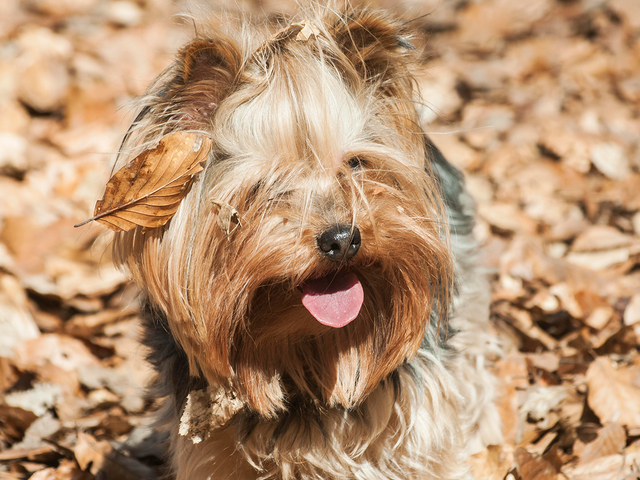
168 132
204 75
374 44
187 94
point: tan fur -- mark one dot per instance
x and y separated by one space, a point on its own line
289 118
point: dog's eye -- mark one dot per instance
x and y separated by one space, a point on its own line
356 163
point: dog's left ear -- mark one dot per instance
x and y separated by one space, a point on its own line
374 44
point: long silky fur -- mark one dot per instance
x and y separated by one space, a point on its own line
399 393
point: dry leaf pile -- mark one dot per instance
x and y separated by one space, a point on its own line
539 103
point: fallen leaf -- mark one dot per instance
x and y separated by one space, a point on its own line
541 445
612 396
630 11
29 453
37 399
460 154
533 467
632 312
68 470
148 190
66 353
438 85
599 317
611 467
100 457
13 422
547 361
602 237
119 380
611 160
611 439
493 463
87 325
522 321
101 398
35 444
599 260
506 216
539 404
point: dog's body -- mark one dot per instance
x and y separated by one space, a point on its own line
322 336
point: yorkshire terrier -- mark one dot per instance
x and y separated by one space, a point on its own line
313 308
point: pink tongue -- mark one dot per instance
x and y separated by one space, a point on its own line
334 300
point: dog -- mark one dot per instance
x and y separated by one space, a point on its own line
312 307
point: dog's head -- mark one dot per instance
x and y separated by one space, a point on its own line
308 256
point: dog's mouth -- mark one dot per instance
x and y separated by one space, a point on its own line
335 299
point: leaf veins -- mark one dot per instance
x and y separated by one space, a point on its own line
148 190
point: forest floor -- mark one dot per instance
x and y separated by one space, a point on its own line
538 102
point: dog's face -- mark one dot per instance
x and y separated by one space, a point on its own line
326 281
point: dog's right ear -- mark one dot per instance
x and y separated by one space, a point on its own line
170 134
206 73
187 94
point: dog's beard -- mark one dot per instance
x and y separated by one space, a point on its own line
287 352
235 302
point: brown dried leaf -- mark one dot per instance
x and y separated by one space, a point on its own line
67 470
601 237
226 216
63 351
148 190
534 467
100 456
611 439
27 453
13 422
632 312
611 467
522 321
612 396
308 30
541 404
542 445
493 463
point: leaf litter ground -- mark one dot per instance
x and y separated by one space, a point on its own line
538 103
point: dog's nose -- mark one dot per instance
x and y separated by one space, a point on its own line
340 243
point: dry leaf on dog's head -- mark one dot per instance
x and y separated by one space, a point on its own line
226 216
308 30
148 190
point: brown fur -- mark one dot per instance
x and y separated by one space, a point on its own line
310 133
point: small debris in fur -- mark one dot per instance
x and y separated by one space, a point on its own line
206 410
227 215
308 30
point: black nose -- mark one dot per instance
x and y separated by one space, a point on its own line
339 243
